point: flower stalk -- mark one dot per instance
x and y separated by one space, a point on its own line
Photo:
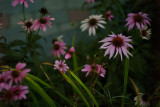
125 80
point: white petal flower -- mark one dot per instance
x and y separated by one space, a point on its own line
92 23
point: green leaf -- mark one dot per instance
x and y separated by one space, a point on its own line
33 85
87 90
39 80
48 86
17 43
76 88
36 103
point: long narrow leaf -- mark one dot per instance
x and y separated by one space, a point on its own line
87 90
40 91
75 87
48 86
36 103
39 80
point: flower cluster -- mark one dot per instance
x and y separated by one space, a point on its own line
69 54
94 68
141 21
40 23
11 88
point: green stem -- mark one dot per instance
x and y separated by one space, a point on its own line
125 80
38 31
24 13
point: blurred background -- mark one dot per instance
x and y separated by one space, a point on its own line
66 14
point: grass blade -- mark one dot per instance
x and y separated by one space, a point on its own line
75 87
40 91
48 86
87 90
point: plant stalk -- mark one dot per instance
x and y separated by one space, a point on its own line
125 80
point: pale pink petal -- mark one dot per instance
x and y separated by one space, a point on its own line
112 52
68 56
14 3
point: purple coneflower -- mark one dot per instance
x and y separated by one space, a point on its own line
140 20
94 68
20 92
145 33
61 65
42 22
27 25
58 48
18 74
144 100
118 43
108 15
6 93
11 93
69 54
15 2
92 23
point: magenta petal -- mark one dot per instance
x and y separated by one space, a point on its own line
138 25
25 71
20 66
131 14
26 4
14 3
72 50
44 28
68 56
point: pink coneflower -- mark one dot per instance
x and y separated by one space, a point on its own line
69 54
108 15
144 100
58 48
140 20
20 92
18 74
6 93
94 68
61 65
145 33
92 23
42 22
90 1
118 43
3 78
27 25
15 2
